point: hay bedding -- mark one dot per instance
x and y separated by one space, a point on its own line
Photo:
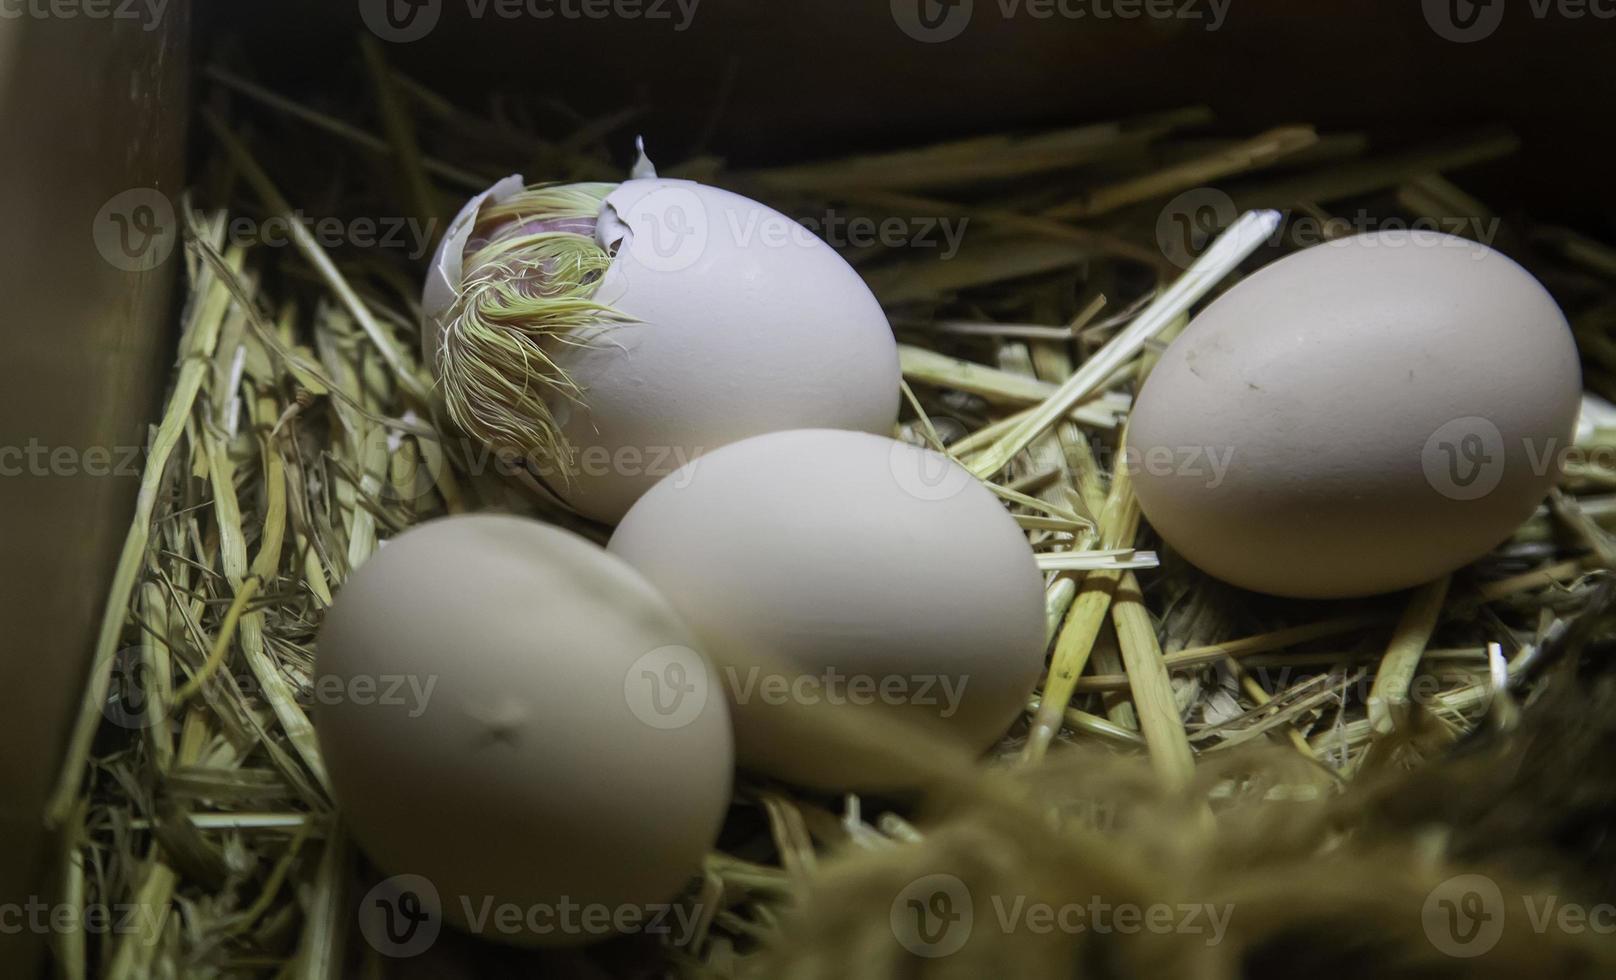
1220 749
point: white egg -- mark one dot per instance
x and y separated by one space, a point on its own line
728 320
1358 417
828 567
490 708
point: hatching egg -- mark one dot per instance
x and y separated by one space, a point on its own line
829 568
1358 417
711 318
483 713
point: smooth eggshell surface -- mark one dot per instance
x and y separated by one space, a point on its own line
745 323
536 769
816 564
1358 417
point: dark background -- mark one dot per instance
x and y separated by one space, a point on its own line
817 78
89 109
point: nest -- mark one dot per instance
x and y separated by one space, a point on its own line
1321 776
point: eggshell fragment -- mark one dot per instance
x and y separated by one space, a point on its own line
491 722
829 567
1358 417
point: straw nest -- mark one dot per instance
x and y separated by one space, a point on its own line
1322 770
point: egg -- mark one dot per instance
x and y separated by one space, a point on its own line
487 710
612 333
824 569
1358 417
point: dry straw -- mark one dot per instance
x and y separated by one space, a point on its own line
1190 744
